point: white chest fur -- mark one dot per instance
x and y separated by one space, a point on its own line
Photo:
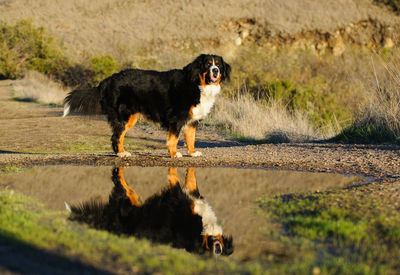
207 99
210 225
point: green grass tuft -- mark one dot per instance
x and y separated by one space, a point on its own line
336 236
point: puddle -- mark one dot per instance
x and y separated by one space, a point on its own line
230 192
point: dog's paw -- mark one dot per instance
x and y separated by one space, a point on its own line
196 154
178 155
124 154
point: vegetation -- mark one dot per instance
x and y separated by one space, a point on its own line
35 87
103 67
23 46
316 85
378 120
246 118
321 110
336 236
288 87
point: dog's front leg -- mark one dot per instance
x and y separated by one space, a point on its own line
190 137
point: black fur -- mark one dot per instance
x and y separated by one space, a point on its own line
85 101
164 218
163 97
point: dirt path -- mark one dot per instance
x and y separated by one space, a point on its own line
37 135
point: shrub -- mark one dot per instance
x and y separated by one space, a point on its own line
315 84
103 67
321 109
23 46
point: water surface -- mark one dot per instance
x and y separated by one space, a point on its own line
230 191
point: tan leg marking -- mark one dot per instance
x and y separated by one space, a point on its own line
190 137
191 183
132 195
173 178
172 141
131 122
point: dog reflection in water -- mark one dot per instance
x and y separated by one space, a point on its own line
179 215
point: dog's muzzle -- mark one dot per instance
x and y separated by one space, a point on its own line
217 247
214 74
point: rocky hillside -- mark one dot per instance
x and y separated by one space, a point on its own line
122 28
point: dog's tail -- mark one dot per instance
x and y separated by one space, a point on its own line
85 101
90 212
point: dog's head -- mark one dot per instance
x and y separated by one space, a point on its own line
217 245
208 69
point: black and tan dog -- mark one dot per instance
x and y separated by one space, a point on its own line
179 215
177 99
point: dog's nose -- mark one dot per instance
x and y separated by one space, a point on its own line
215 71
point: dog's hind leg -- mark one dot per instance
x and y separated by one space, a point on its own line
172 142
119 131
190 181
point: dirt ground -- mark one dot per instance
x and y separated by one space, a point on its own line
32 134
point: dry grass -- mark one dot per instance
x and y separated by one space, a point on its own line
383 98
378 119
387 94
138 30
246 118
39 88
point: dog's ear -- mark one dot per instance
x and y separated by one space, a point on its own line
228 245
193 70
226 71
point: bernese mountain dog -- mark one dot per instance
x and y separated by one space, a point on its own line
179 215
177 99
